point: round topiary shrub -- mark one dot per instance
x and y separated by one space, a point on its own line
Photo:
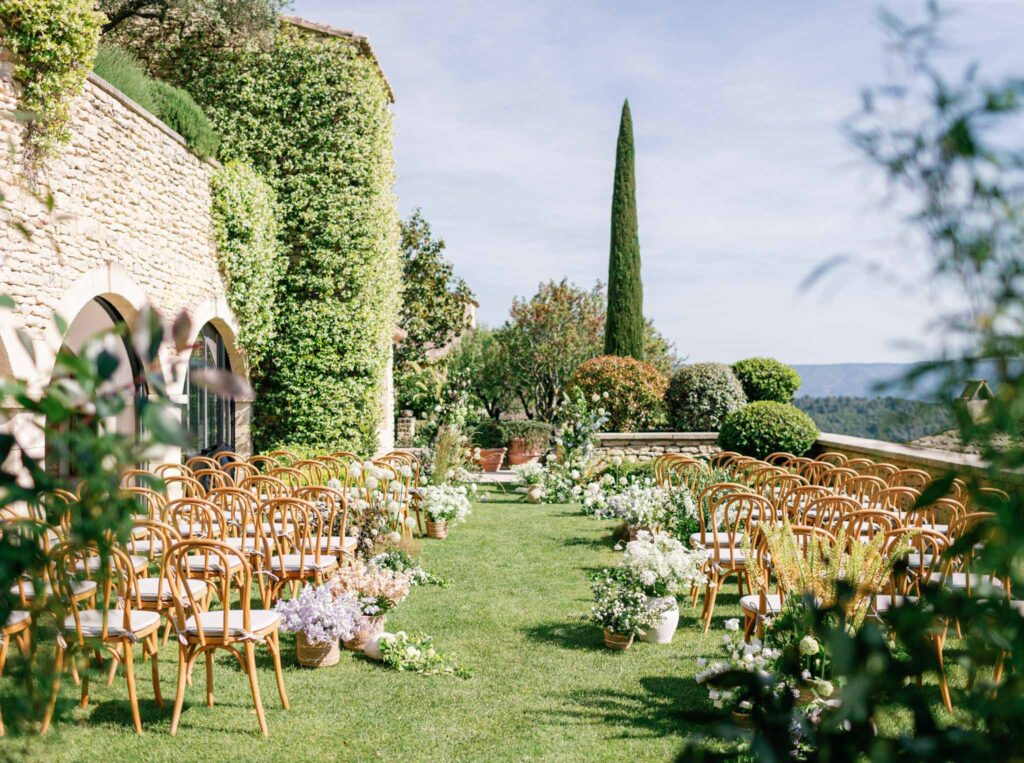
630 390
765 427
767 379
701 395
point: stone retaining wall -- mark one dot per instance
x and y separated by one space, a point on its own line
644 446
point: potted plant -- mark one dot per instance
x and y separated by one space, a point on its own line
489 439
377 591
443 505
531 475
527 440
664 567
620 607
319 618
737 655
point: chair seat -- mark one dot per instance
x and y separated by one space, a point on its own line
91 621
260 620
885 602
958 580
752 603
301 563
338 544
79 589
16 620
139 563
147 547
149 589
249 545
212 564
709 543
735 557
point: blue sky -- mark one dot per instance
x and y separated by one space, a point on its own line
505 127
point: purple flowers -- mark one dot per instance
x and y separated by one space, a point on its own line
320 614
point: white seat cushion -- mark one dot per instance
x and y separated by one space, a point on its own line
16 617
752 603
298 563
884 602
93 563
249 545
78 588
147 547
212 564
213 622
337 544
92 622
148 589
980 583
736 557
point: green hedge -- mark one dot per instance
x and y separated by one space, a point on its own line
536 433
312 115
701 395
767 379
172 105
245 229
765 427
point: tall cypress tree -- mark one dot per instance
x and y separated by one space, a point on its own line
624 327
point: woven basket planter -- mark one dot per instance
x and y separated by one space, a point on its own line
316 655
368 628
618 641
437 530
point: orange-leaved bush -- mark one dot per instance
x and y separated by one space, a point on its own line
630 390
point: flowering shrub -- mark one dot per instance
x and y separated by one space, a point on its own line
377 590
320 615
639 505
751 657
531 473
663 565
578 425
416 654
445 503
633 391
399 560
700 396
619 604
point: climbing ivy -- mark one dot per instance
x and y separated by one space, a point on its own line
312 116
245 230
52 43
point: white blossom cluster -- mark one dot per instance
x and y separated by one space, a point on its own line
640 505
752 657
445 503
320 614
663 564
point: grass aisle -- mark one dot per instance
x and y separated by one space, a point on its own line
544 687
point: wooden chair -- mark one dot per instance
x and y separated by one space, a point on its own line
138 478
912 478
213 478
333 509
17 627
172 470
863 525
117 625
813 471
203 632
284 457
184 487
151 503
315 472
202 462
264 487
779 457
862 488
293 478
834 478
827 511
833 458
263 463
881 470
239 470
297 545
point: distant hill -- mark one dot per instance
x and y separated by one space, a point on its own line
880 418
858 380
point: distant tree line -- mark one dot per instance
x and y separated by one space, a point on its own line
880 418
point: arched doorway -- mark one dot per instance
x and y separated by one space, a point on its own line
209 417
99 316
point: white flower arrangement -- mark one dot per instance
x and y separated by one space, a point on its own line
445 503
640 505
531 473
752 657
663 565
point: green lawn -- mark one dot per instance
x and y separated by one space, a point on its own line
544 686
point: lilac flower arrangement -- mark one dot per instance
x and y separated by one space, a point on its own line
320 615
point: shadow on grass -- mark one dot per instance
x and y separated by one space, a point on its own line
605 541
567 634
663 706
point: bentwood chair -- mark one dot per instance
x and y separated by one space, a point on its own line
17 627
117 625
333 510
201 633
172 470
297 547
315 472
263 463
239 470
202 462
912 478
831 457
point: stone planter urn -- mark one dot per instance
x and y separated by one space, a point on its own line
366 630
665 628
534 494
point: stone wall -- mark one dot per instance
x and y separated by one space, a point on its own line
644 446
131 225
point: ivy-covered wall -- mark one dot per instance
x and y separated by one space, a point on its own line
312 116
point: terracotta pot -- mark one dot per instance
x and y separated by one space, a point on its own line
437 530
522 451
316 655
490 459
367 629
617 641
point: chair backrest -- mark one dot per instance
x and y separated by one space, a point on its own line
898 499
799 499
239 470
240 508
115 586
298 530
184 487
927 558
336 467
180 562
202 462
777 458
723 458
34 532
912 478
863 488
730 516
172 470
331 505
828 511
293 478
863 525
812 470
284 457
138 478
859 463
150 539
151 503
316 472
682 471
831 457
879 469
213 478
196 518
796 464
263 463
778 488
942 511
760 474
265 487
835 477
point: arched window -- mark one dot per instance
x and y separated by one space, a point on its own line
210 417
